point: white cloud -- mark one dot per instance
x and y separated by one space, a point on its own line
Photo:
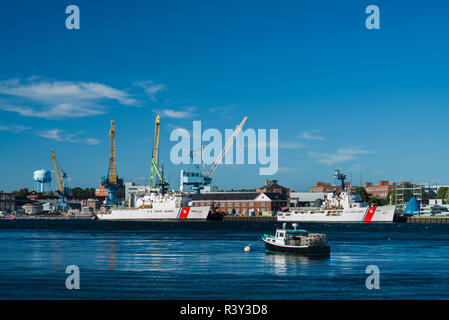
354 151
54 134
151 88
341 155
58 99
92 141
14 128
58 135
186 112
63 110
310 135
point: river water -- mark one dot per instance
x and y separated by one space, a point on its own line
206 260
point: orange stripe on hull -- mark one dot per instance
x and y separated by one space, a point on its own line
184 213
369 214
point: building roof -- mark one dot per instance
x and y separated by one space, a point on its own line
225 196
275 196
230 196
30 204
308 196
272 184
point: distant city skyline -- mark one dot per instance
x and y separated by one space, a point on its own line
371 102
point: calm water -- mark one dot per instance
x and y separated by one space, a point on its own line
205 260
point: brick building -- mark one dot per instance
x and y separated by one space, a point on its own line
93 203
272 186
7 202
381 190
327 187
243 203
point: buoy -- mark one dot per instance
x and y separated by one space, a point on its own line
247 249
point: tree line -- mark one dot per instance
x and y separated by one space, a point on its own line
76 192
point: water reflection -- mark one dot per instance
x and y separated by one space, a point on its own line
294 258
284 264
112 255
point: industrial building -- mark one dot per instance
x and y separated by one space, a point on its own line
327 187
7 202
243 203
32 208
382 189
272 186
306 199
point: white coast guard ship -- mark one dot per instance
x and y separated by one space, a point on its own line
157 206
345 207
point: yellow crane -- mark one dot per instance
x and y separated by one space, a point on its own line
155 156
111 182
62 190
112 178
58 175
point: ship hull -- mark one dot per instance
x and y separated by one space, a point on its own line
299 250
370 214
177 214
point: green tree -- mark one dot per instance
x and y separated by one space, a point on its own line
362 192
447 196
442 191
83 193
22 193
377 201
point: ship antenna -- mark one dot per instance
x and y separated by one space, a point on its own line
338 174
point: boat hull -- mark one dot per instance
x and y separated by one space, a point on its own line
370 214
299 250
178 214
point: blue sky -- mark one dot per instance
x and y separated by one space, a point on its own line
372 102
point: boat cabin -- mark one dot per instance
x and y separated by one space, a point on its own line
289 233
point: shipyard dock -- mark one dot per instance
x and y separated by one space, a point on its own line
423 219
250 218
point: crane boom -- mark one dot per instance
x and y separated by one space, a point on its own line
226 148
112 168
155 156
58 175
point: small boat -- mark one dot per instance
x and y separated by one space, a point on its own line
295 241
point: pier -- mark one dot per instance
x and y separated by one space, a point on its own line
421 219
250 218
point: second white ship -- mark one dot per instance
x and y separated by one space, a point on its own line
345 207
